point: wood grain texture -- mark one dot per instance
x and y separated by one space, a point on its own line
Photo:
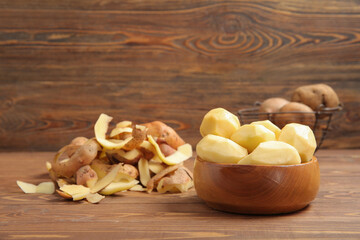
334 214
63 63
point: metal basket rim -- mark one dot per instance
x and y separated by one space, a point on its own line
322 110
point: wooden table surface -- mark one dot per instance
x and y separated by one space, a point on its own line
334 214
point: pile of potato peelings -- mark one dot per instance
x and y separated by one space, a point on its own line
132 157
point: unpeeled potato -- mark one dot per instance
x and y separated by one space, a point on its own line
161 130
271 105
316 95
294 112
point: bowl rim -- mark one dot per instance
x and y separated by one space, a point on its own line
312 161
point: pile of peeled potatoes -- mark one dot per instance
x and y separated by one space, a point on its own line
259 143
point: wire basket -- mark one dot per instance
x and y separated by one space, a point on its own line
319 121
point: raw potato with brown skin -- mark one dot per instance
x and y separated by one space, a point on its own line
161 130
146 153
302 114
82 156
79 141
86 176
166 149
129 170
68 150
316 95
271 105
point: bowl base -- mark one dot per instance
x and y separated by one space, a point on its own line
255 211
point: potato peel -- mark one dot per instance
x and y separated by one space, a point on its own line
123 124
137 188
44 187
157 148
102 183
78 192
100 129
129 158
144 171
115 187
26 187
64 194
118 130
183 153
48 166
177 181
94 197
155 166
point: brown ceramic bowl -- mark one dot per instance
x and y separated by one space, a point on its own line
256 189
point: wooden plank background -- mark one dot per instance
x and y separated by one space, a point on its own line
62 63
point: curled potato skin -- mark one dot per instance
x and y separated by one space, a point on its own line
86 161
81 157
153 181
161 130
138 137
173 181
115 158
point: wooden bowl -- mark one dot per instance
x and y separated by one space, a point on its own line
256 189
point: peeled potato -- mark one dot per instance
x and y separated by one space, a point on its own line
269 125
251 135
301 137
272 153
219 122
218 149
294 112
183 153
